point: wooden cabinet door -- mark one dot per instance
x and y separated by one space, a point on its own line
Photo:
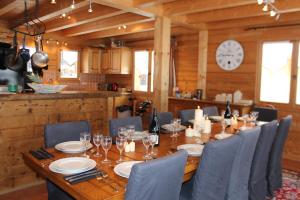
105 61
95 65
116 60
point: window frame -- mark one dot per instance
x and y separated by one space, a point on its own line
149 71
78 64
293 83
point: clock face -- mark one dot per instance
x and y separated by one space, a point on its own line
229 55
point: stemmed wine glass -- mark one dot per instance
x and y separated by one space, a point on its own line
85 138
131 131
97 141
245 117
175 125
235 114
106 145
120 143
153 141
146 142
223 123
122 132
254 116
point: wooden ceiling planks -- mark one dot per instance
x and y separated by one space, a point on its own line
138 15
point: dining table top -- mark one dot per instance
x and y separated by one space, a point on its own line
95 189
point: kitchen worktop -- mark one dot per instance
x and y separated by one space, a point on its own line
61 95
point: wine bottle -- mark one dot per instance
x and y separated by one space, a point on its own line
154 126
227 114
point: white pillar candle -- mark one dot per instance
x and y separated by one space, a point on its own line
189 132
127 147
198 114
132 146
207 126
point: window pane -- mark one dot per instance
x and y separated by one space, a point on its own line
152 70
276 72
68 64
141 70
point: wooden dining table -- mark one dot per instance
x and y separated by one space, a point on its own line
95 189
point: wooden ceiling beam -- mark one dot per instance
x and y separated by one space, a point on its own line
8 6
83 17
48 11
149 3
254 21
183 7
137 28
240 12
104 24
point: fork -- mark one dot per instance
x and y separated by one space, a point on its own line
100 177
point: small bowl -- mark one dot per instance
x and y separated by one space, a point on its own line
46 88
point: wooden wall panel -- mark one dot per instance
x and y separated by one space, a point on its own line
22 129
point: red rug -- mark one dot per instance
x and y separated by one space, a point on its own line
291 187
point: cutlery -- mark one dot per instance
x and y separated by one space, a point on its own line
46 152
84 178
100 177
68 177
36 155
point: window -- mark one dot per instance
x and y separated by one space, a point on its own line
143 76
68 64
298 79
276 72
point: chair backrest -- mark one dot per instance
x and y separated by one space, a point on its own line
210 111
62 132
266 114
274 166
258 175
114 124
212 177
186 115
239 178
163 118
157 179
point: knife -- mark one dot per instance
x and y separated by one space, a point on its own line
36 155
46 152
68 177
84 178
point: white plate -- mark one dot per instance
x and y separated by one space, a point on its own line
192 149
72 165
138 135
123 169
191 121
72 147
223 136
216 118
169 127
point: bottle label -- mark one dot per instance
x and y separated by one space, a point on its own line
227 121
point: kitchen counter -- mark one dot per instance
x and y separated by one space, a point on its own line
61 95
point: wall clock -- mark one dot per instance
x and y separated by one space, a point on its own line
229 55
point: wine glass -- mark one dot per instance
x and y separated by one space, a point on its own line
175 125
245 117
146 142
223 123
254 116
120 143
131 131
153 141
85 138
122 132
235 114
97 141
106 145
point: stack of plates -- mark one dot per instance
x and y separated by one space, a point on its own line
170 127
138 135
192 149
124 169
223 136
72 147
72 165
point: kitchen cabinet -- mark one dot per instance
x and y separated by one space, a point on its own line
116 61
91 60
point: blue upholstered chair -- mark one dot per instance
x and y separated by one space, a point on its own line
153 180
266 114
211 180
163 118
57 133
114 124
186 115
210 111
274 166
239 179
258 175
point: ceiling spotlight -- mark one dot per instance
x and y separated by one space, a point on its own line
90 9
57 42
69 17
47 41
260 2
124 26
53 1
73 4
66 44
265 8
277 17
272 13
64 15
119 27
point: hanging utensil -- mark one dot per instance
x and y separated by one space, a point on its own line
39 58
24 53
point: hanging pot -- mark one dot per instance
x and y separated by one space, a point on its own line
18 66
11 53
39 58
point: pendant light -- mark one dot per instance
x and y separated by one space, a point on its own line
90 8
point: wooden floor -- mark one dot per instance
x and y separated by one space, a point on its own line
39 192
